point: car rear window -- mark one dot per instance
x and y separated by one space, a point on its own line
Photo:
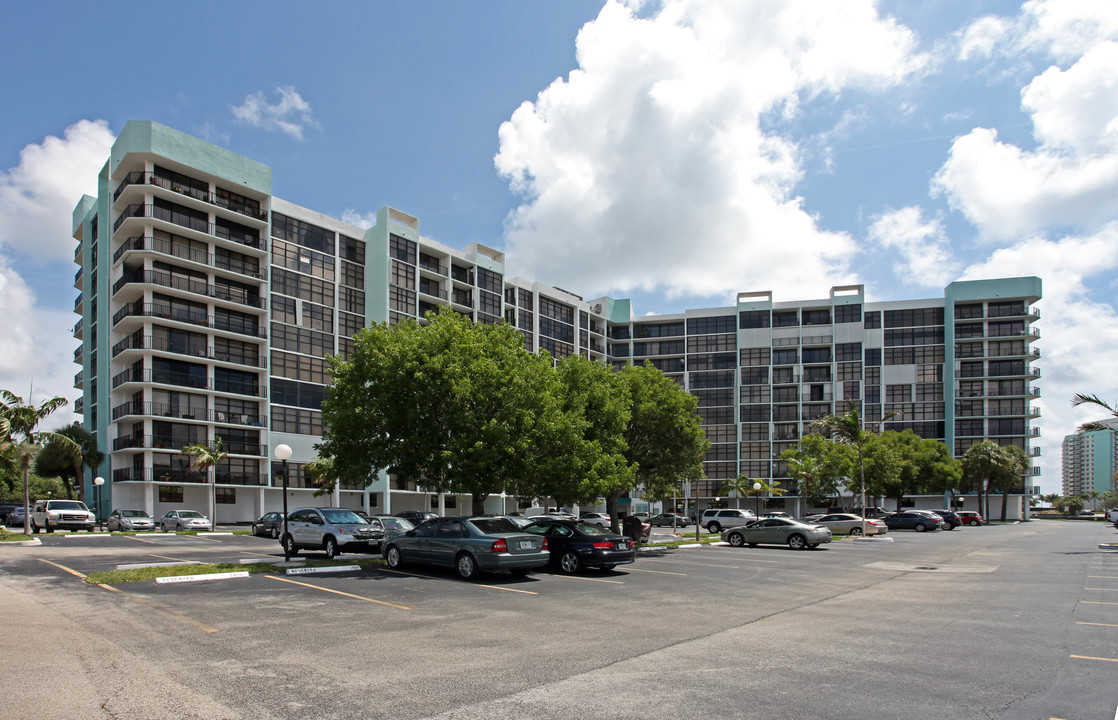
342 517
494 526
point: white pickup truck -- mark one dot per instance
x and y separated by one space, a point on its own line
1112 516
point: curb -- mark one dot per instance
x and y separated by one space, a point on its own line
23 543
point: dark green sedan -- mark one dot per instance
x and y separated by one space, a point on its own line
469 545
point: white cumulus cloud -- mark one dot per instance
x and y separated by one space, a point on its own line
37 197
925 253
654 164
290 115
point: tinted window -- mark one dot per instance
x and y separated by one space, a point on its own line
494 526
426 529
345 517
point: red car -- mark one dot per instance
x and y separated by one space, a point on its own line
970 517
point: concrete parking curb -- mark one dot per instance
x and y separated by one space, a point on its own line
23 543
872 539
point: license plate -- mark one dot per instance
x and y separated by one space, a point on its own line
526 544
622 546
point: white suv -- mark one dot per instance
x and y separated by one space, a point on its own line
51 515
718 520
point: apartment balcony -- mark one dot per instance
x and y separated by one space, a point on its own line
188 380
178 220
79 405
182 412
1033 472
79 380
147 243
79 354
434 291
233 202
236 296
1033 451
182 477
816 340
78 254
78 278
79 328
190 316
432 266
78 304
785 379
192 350
1032 373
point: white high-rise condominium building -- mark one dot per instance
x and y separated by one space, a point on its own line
208 307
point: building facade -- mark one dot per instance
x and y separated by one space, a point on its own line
208 308
1090 461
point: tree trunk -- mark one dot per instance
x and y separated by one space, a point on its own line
611 510
1005 502
477 504
27 495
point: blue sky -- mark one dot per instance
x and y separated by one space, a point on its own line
674 152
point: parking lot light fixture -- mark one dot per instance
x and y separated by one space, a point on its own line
283 454
757 498
97 483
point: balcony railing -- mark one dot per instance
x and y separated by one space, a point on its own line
196 224
78 327
166 475
198 287
192 316
79 379
164 442
195 382
79 353
433 291
79 405
247 207
194 350
183 412
185 252
435 267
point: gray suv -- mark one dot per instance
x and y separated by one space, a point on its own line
332 530
718 520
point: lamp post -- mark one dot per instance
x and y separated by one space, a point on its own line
283 454
757 498
97 483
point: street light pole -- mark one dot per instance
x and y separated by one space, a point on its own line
97 483
283 454
757 498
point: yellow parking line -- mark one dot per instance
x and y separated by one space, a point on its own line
1096 602
658 572
1088 657
143 540
1099 624
204 538
339 592
176 559
436 577
138 599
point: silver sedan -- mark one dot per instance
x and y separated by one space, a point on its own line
850 524
778 531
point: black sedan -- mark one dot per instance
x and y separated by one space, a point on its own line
914 520
269 525
575 545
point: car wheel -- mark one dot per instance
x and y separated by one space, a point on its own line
797 542
714 527
569 563
920 527
330 545
255 530
34 527
392 557
275 532
466 566
736 539
855 531
289 546
975 523
49 528
948 526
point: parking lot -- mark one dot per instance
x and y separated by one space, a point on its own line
1011 621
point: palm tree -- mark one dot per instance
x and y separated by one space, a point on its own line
983 461
1081 399
207 458
21 421
803 470
847 429
740 485
1014 465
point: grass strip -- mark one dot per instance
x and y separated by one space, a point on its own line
112 577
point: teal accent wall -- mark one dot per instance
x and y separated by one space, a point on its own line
147 137
1102 442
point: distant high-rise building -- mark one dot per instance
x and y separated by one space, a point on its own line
1090 461
208 308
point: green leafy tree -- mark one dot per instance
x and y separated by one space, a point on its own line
597 401
1014 464
68 461
819 466
847 429
455 406
1094 400
984 462
206 458
1074 503
740 486
664 438
23 437
923 465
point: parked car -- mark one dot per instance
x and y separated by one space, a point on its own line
775 513
575 545
914 520
416 517
332 530
780 531
715 520
129 520
51 515
184 520
520 522
596 518
393 525
669 519
470 546
970 517
6 509
950 519
849 524
871 512
16 516
269 524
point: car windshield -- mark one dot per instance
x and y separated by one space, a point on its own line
133 513
190 514
342 517
494 526
67 505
